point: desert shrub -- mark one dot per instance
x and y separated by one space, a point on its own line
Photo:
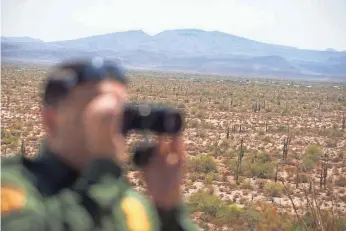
181 105
202 133
308 163
314 151
312 155
18 125
340 223
343 198
309 223
194 111
262 167
263 170
261 132
232 163
260 183
274 189
202 163
193 123
341 181
339 157
220 212
266 139
206 125
303 178
210 177
204 202
263 157
271 219
201 114
223 107
8 137
246 185
282 128
193 176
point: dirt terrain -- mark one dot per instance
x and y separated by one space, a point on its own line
263 154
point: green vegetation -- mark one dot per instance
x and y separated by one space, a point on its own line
273 189
220 212
202 164
312 155
259 165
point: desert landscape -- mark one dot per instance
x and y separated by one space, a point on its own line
262 154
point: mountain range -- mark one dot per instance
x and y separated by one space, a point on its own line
191 50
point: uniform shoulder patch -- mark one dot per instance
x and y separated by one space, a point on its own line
137 218
12 198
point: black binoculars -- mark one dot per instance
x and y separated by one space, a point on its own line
153 118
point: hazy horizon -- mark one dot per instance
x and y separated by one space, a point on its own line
309 24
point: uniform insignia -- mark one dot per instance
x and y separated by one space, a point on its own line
136 216
12 198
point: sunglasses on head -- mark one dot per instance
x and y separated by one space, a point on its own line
70 74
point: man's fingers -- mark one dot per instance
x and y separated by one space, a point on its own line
171 148
177 151
163 145
177 146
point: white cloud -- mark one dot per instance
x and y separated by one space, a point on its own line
154 16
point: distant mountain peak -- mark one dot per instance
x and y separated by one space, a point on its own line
331 50
181 32
19 39
139 32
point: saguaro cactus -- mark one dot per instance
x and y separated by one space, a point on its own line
234 128
240 158
287 141
297 173
22 148
256 107
324 171
276 172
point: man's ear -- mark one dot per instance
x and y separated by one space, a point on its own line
50 120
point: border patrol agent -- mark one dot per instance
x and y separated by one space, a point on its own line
75 182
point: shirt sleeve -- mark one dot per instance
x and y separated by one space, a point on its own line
24 209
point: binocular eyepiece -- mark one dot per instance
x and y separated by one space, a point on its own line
153 118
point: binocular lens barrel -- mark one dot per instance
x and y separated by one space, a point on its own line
159 120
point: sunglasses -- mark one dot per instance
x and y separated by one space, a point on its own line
70 74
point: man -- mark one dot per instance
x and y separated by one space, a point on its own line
75 182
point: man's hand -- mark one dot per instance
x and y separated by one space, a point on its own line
164 173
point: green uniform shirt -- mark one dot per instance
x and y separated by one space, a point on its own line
45 194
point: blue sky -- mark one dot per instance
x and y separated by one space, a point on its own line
309 24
